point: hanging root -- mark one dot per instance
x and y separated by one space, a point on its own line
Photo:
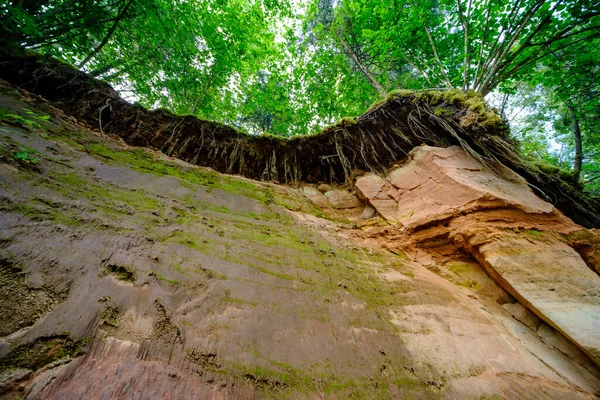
346 165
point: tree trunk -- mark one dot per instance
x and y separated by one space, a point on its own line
376 85
108 34
578 146
503 108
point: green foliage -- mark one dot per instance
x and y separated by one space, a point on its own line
169 281
18 154
25 155
542 121
464 44
293 67
31 121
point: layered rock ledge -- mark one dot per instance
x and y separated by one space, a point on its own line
443 196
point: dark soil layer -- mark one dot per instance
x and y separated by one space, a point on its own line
372 142
42 351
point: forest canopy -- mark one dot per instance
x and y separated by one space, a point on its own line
292 67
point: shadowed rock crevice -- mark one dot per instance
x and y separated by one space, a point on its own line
121 272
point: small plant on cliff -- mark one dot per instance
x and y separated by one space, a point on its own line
25 156
30 122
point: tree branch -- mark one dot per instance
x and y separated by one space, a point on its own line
534 57
465 24
483 41
492 54
376 85
493 71
442 69
527 42
107 36
577 164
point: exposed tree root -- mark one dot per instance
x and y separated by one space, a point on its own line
372 142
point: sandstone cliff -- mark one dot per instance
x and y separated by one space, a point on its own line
126 273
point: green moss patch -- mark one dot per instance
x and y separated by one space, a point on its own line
144 161
169 281
273 376
445 103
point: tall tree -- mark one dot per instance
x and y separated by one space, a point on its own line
471 45
577 92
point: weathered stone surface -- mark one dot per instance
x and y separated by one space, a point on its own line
448 195
388 209
324 187
555 340
368 212
406 178
551 279
315 196
434 326
369 186
438 183
523 315
342 199
587 244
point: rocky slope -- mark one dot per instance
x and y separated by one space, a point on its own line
128 274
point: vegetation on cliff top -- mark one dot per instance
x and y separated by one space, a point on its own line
292 67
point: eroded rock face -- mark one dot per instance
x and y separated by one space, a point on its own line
524 244
145 277
551 279
587 243
438 183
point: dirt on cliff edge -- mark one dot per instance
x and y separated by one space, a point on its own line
130 274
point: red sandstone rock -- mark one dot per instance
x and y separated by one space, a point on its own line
238 298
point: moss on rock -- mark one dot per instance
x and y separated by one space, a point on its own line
43 351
